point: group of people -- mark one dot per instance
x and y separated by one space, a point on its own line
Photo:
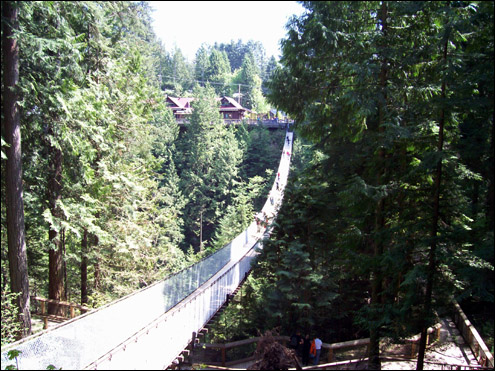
306 348
262 221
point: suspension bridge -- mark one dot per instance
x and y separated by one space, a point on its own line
149 328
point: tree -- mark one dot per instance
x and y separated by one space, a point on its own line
210 156
365 83
218 72
180 73
270 68
89 85
202 64
253 97
19 282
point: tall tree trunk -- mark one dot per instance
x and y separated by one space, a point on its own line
55 256
490 197
434 227
84 268
19 282
377 298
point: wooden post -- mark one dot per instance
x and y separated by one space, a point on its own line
193 341
330 355
223 356
43 313
413 349
72 314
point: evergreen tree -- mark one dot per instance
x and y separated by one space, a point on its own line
19 282
366 83
91 112
210 158
181 75
218 71
202 64
253 99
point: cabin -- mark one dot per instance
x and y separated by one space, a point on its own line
181 107
230 109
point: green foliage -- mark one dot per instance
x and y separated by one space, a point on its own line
249 76
11 327
208 170
14 353
366 89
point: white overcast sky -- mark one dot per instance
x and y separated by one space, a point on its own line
188 24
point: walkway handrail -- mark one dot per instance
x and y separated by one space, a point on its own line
433 335
471 336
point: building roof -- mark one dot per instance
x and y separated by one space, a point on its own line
180 102
233 102
184 104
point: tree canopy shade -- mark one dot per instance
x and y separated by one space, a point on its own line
382 89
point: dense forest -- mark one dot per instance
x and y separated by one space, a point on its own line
389 211
114 196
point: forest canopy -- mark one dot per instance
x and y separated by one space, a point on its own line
114 194
389 211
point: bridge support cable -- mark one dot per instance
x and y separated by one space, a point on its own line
150 327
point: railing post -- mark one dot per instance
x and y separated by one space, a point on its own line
72 314
43 314
223 355
330 355
193 341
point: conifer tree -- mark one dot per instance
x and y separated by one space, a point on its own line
210 158
19 282
365 83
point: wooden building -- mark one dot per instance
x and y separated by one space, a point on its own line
229 108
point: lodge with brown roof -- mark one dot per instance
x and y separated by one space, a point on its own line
229 108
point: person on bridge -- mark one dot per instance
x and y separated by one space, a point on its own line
288 140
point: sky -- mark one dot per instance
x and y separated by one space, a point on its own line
188 24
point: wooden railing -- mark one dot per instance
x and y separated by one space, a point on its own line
71 307
224 347
472 337
336 352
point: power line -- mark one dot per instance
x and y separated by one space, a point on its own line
172 78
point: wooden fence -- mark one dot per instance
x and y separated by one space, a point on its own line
70 307
472 337
336 353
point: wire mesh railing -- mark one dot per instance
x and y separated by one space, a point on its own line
112 337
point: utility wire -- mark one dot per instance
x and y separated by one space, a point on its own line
172 79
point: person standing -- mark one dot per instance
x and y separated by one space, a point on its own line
295 339
317 343
305 351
